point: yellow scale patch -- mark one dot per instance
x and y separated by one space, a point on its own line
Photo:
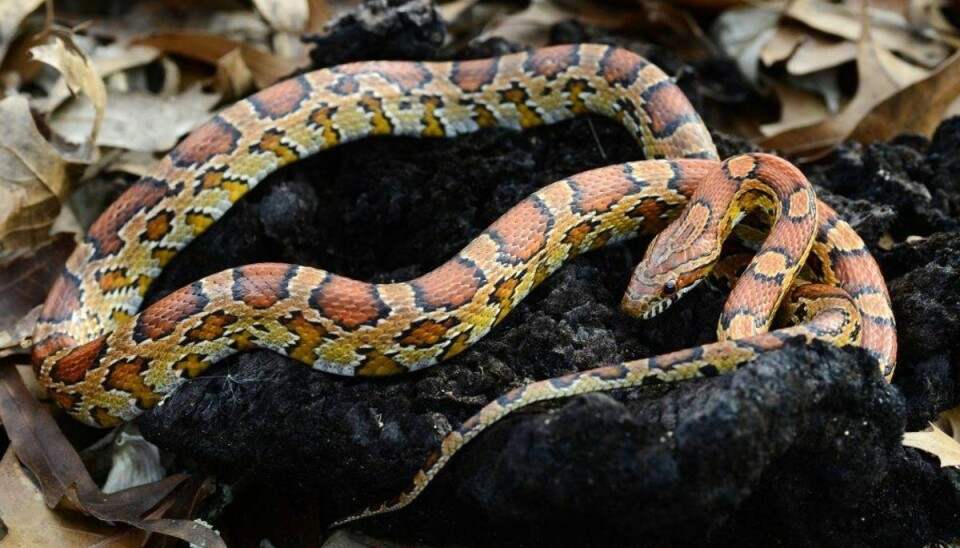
379 365
432 126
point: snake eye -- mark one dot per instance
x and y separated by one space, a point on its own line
670 287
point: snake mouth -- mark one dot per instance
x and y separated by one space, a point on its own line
665 302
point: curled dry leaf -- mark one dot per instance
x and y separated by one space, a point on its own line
35 177
880 77
12 14
744 34
890 29
30 523
78 74
65 482
139 121
917 108
942 439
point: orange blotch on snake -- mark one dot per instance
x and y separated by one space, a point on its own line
652 211
577 235
740 167
348 302
273 142
600 197
873 305
521 232
666 106
212 327
158 226
799 204
71 368
104 233
309 335
262 285
472 75
620 67
126 377
551 61
214 138
163 317
64 299
112 280
50 345
740 326
427 333
281 99
844 238
451 285
379 365
770 264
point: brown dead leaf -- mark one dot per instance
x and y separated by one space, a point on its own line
266 67
890 29
12 13
529 26
78 74
918 108
24 283
35 177
783 43
798 108
942 439
137 120
233 78
817 55
65 482
284 15
31 523
876 84
743 34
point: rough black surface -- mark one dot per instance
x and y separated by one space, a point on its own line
800 448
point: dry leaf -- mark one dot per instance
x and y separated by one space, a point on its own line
78 74
743 34
530 26
783 43
798 108
284 15
65 482
876 84
24 283
266 67
890 30
816 55
139 121
12 13
233 78
918 108
30 523
937 440
34 179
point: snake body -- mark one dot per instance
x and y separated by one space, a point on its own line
105 362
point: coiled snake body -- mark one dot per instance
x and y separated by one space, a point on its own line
105 363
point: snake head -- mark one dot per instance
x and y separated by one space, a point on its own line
676 261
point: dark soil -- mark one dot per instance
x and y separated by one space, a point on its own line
800 448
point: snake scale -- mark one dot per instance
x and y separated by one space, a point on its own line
104 361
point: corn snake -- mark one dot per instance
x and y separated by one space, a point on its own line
105 363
